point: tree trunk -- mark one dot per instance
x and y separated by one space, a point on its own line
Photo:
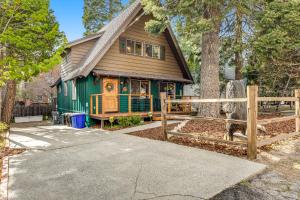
9 101
209 75
238 42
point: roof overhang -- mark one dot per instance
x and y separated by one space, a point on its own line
99 72
56 83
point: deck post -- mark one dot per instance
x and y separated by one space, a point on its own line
91 105
252 109
151 103
163 97
129 103
297 110
97 105
169 104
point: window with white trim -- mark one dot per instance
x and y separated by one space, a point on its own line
65 88
74 91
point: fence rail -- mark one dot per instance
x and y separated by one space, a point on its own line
252 112
32 110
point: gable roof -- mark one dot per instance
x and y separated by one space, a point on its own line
111 32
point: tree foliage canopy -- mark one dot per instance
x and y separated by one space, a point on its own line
99 12
30 40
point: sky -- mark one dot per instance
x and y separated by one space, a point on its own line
69 15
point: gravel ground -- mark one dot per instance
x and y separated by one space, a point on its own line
280 181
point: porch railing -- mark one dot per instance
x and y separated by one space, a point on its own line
125 103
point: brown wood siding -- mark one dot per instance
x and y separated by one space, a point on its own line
76 55
115 61
78 52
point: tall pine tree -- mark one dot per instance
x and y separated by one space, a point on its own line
97 13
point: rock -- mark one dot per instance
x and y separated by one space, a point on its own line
234 110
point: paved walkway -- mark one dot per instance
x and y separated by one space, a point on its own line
66 163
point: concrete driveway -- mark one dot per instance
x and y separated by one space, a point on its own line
65 163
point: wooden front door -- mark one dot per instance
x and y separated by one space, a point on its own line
110 95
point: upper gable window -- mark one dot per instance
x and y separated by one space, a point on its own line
139 48
130 47
148 50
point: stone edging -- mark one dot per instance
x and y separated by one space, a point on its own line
5 172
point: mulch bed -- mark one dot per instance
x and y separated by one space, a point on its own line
157 134
210 128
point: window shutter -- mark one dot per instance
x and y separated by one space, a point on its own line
122 45
162 53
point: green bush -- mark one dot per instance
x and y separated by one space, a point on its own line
136 120
3 126
124 121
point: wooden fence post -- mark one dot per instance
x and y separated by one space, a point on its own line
97 105
163 97
297 110
169 105
252 109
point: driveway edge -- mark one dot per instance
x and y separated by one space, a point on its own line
5 172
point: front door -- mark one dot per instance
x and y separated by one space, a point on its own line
110 95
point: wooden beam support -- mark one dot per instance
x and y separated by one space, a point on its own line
252 110
276 99
97 105
297 109
91 105
129 103
151 103
163 98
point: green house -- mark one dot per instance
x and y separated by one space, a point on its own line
121 70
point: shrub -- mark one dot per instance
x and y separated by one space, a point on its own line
136 120
3 126
124 121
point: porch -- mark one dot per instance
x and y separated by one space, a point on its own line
104 106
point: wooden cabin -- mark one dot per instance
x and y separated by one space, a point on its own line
121 70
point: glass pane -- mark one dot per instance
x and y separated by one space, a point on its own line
163 87
171 89
122 45
135 87
144 88
148 51
156 51
130 47
138 48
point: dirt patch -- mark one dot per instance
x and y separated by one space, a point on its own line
157 134
210 128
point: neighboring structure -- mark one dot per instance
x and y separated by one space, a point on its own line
37 90
121 70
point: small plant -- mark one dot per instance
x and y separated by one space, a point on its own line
150 115
125 121
136 120
3 126
111 121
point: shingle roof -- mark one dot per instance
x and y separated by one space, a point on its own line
110 33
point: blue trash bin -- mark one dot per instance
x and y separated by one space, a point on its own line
78 120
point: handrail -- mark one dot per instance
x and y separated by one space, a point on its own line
206 100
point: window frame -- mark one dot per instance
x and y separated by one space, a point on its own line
140 86
161 49
168 82
74 89
65 88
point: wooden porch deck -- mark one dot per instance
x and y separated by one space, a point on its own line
108 115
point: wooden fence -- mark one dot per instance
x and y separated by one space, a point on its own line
32 110
252 113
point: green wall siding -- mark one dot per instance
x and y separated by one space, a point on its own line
92 85
84 88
